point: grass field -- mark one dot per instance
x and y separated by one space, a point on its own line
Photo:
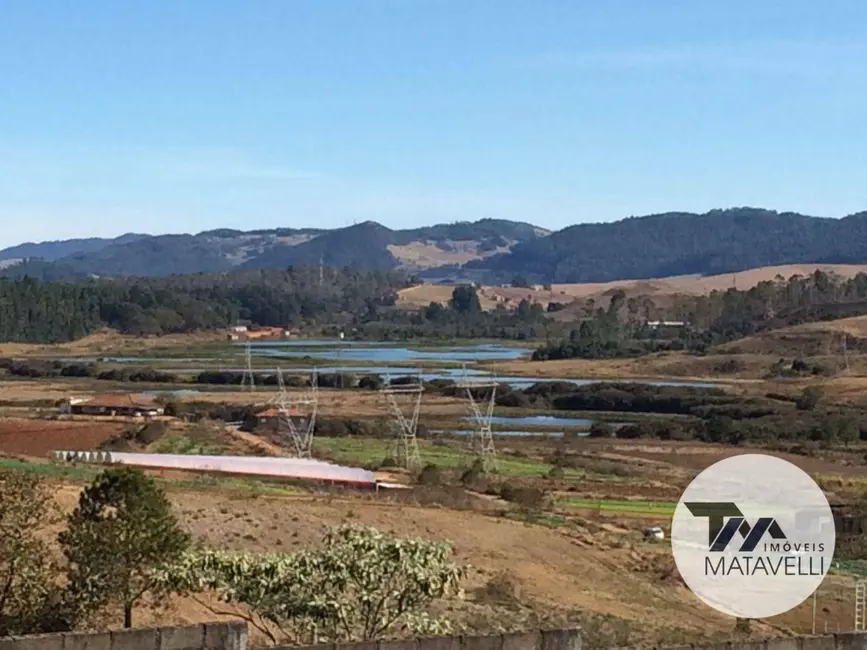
369 451
85 473
612 505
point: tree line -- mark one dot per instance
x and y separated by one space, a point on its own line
123 548
707 414
361 302
33 311
621 330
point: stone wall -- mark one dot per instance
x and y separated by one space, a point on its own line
568 639
208 636
233 636
840 641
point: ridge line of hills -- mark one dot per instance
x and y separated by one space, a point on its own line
487 250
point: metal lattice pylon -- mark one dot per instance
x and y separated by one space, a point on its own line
248 380
405 450
482 437
303 407
861 605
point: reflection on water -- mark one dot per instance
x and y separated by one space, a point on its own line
379 353
539 420
395 354
506 434
453 374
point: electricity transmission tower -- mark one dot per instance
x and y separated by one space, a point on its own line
861 605
845 354
405 451
248 380
481 396
296 415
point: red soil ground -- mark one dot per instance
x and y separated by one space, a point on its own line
38 438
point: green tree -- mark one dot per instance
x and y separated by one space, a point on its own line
361 584
809 398
601 430
118 536
465 299
28 577
847 430
520 282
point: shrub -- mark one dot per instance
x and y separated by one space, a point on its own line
370 382
526 497
601 430
430 475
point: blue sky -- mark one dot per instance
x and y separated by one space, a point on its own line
166 116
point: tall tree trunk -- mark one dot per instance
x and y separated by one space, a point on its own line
127 615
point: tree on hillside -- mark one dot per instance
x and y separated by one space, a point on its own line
520 282
361 584
118 536
28 588
465 299
809 398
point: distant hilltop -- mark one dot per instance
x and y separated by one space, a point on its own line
488 250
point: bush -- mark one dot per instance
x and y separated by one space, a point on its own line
601 430
370 382
473 477
337 380
809 399
430 475
728 366
556 472
528 498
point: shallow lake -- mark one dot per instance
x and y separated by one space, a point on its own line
544 421
388 353
176 393
505 434
441 373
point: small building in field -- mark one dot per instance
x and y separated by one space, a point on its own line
272 416
114 404
665 323
266 333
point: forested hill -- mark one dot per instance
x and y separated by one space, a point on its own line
367 245
677 243
54 250
34 311
316 301
488 250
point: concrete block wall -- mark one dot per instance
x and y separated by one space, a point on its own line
568 639
839 641
208 636
233 636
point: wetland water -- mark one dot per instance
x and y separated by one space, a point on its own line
384 352
543 421
367 357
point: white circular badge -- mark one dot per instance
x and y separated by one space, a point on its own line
753 536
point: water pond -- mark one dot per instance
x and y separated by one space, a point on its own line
453 374
388 353
505 434
543 421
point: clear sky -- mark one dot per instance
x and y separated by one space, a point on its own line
181 116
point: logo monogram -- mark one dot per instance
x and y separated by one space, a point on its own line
725 519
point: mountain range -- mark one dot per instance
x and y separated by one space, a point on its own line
490 250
